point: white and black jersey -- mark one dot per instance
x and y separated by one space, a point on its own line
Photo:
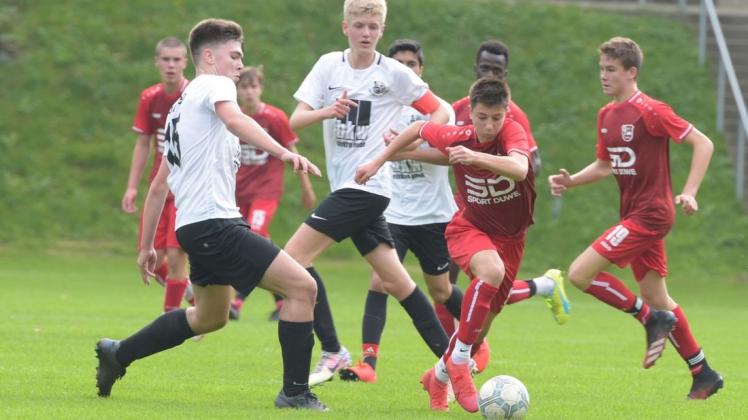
380 91
421 193
202 154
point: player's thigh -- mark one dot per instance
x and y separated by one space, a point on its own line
306 244
586 266
288 278
396 280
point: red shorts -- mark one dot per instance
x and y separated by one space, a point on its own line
166 236
629 243
258 214
465 240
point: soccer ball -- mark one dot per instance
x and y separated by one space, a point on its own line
503 397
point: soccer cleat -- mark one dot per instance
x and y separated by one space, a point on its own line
361 372
558 302
658 328
705 384
481 357
463 386
274 315
329 363
234 312
436 389
304 401
109 369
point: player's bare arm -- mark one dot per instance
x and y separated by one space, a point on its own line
370 168
250 132
702 154
139 157
154 204
433 156
304 115
593 172
308 198
514 166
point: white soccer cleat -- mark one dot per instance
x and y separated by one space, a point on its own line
329 364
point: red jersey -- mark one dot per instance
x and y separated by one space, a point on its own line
633 136
261 175
495 204
514 112
150 118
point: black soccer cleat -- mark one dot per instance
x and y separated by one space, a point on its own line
705 384
274 315
304 401
109 369
658 327
234 312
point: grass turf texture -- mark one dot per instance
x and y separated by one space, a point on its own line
56 308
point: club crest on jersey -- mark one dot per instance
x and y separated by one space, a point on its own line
627 132
378 88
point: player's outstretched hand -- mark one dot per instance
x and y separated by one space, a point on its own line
147 265
461 155
366 171
342 106
560 182
300 163
128 200
688 203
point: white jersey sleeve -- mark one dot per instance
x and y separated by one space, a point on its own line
313 90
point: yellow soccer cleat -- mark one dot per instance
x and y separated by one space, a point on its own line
558 302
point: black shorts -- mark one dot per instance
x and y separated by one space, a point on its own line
427 243
353 213
226 252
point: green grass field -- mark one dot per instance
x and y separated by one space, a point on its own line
56 305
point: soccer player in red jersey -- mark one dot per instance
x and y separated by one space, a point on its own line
259 182
154 105
632 144
492 60
491 161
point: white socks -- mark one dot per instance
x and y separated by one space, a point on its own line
543 286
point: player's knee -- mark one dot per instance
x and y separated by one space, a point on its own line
303 290
491 275
576 277
439 292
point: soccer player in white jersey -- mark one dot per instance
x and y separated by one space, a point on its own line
201 158
358 94
421 206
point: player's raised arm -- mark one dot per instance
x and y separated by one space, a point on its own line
250 132
593 172
702 154
305 115
369 169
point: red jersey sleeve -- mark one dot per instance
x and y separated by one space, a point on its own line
281 129
514 138
662 121
601 151
519 115
426 104
442 136
142 123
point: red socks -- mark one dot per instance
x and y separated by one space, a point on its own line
174 293
521 290
609 289
445 318
162 271
475 306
